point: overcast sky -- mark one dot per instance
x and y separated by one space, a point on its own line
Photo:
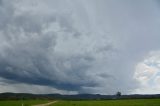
80 46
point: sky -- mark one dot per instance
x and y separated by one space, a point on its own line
80 46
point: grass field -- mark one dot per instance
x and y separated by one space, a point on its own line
19 103
133 102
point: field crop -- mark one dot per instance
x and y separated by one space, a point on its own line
131 102
19 102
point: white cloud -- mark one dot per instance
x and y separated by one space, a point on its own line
148 74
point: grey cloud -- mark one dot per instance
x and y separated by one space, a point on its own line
82 46
27 51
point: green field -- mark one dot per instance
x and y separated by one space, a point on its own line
19 103
133 102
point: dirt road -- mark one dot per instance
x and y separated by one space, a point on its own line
46 104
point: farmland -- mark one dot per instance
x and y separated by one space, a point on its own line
129 102
19 102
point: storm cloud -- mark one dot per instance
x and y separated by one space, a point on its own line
80 46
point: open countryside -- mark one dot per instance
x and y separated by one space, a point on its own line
26 99
79 52
132 102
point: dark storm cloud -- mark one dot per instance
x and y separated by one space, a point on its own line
83 46
27 51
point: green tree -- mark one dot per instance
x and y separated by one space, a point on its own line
118 94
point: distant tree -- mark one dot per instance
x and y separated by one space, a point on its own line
118 94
